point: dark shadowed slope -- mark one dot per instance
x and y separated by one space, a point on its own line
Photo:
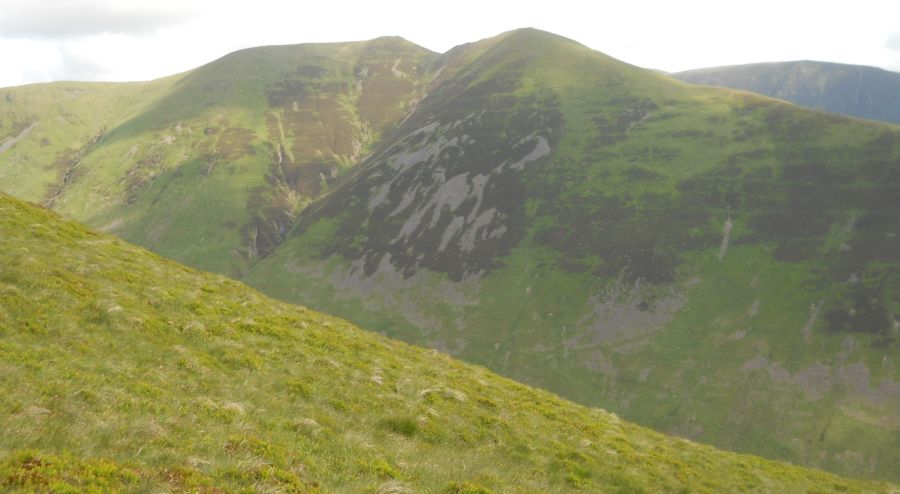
854 90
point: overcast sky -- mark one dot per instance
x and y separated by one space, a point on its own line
44 40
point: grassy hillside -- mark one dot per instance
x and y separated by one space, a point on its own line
212 166
707 262
125 371
710 263
855 90
47 129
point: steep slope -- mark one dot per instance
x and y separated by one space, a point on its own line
125 371
46 129
855 90
710 263
210 167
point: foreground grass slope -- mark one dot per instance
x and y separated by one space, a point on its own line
121 370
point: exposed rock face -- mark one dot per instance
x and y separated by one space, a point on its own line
449 201
447 194
9 142
621 315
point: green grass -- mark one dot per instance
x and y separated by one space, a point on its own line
66 120
124 371
188 165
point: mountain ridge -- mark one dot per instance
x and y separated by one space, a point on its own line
280 122
854 90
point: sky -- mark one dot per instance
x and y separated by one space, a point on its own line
122 40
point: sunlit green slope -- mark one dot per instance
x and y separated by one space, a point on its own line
212 166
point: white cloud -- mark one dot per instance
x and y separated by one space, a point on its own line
141 39
76 65
60 19
893 42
